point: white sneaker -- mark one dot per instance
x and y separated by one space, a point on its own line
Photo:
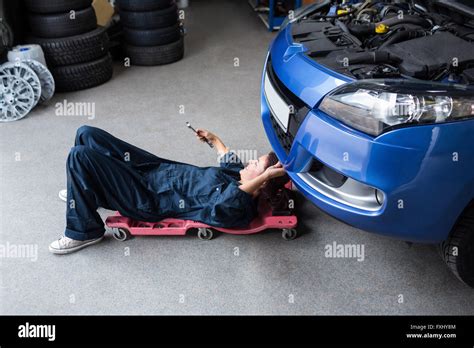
63 195
66 245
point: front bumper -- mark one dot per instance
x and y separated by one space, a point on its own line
424 190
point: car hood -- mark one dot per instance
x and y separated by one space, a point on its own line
305 78
464 7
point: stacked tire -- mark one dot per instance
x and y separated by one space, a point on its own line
75 48
152 32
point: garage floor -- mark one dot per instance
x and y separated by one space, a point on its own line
183 275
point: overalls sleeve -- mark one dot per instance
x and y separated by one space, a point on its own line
233 208
231 161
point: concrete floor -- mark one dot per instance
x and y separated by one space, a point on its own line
183 275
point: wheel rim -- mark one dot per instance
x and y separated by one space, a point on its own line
17 98
45 77
205 234
120 234
289 234
21 70
292 233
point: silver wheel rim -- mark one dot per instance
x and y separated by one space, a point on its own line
17 98
46 79
205 233
23 71
120 235
289 234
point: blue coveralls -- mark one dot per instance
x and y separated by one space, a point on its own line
104 171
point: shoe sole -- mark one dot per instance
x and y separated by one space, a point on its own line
71 250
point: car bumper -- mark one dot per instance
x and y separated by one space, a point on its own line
423 189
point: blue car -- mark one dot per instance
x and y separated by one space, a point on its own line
370 106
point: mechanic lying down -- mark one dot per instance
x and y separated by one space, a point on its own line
103 171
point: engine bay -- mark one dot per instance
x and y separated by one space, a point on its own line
429 40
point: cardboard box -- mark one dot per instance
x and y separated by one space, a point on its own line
104 11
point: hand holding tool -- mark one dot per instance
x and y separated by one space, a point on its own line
195 131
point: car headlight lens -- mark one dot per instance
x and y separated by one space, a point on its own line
375 106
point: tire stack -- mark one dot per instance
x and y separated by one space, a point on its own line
76 49
152 32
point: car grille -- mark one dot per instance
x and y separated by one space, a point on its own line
285 139
296 118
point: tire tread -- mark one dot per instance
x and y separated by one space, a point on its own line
56 6
82 76
155 55
61 25
150 19
76 49
462 238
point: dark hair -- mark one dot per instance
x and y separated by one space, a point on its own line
274 184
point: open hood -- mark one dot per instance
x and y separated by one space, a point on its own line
422 39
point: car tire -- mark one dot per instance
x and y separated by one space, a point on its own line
458 250
150 19
152 37
142 5
82 76
61 25
155 55
74 49
56 6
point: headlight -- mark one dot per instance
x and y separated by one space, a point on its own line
374 106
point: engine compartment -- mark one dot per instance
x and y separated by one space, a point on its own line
430 40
